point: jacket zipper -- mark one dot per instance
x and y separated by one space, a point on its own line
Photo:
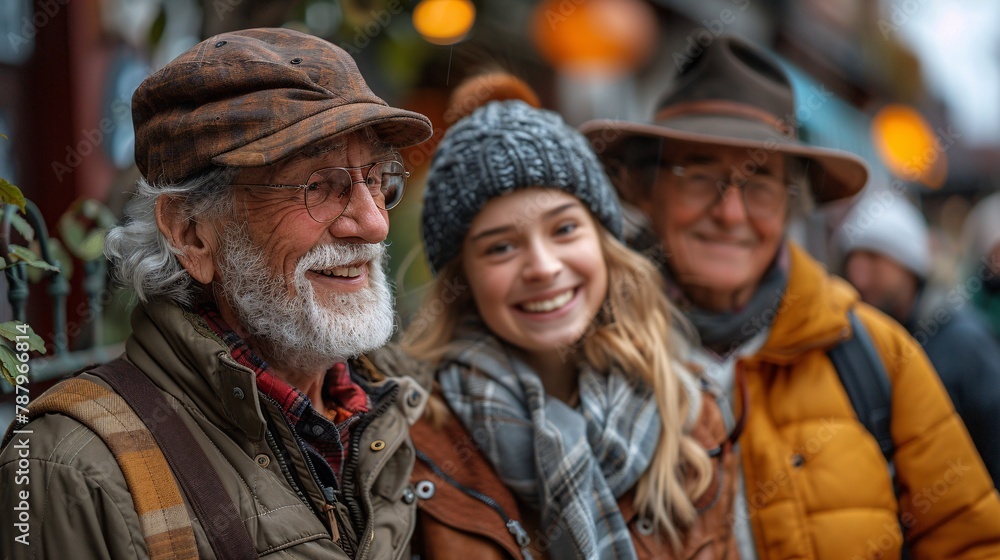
513 525
285 468
367 534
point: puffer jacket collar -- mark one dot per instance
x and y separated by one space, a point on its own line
812 313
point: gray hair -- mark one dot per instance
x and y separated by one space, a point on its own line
142 258
801 201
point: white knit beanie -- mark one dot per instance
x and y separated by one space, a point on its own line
981 233
887 224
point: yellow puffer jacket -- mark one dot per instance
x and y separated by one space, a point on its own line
817 484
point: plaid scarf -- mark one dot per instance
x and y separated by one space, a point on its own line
570 464
328 438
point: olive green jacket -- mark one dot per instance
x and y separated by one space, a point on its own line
79 506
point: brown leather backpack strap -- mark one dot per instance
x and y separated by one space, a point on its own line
219 517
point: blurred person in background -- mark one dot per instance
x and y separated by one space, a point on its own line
716 177
565 424
886 256
981 240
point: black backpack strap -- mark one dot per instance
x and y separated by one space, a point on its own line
867 384
863 375
200 482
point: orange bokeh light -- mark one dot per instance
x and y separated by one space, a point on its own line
613 35
908 146
444 22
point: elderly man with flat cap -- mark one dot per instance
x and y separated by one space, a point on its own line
243 420
717 177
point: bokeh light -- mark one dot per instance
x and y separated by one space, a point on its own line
908 146
444 22
611 35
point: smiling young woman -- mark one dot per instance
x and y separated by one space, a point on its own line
564 423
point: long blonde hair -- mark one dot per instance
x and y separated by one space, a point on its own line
635 331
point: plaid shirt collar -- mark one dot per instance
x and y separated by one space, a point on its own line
339 390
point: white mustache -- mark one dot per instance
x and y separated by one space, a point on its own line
330 256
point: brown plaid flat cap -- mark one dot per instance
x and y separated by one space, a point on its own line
253 97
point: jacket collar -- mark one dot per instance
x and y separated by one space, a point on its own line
812 313
183 356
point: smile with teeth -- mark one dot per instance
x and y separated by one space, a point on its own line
550 304
341 271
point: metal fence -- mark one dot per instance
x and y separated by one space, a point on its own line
59 362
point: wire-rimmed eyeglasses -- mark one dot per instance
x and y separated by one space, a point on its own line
327 191
703 185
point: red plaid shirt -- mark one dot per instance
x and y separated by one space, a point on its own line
340 393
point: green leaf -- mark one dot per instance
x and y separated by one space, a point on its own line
42 265
11 194
11 330
92 247
159 26
86 244
30 258
23 227
71 231
61 257
8 363
19 253
90 208
4 136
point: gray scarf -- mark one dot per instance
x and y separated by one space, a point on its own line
570 464
724 332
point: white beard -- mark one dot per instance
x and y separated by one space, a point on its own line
303 331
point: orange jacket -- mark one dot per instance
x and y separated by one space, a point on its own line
817 484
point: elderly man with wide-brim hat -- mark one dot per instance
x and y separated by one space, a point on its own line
716 178
255 245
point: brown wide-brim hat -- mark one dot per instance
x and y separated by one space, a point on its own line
253 97
734 94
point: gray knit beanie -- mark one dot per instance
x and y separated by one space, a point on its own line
500 147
